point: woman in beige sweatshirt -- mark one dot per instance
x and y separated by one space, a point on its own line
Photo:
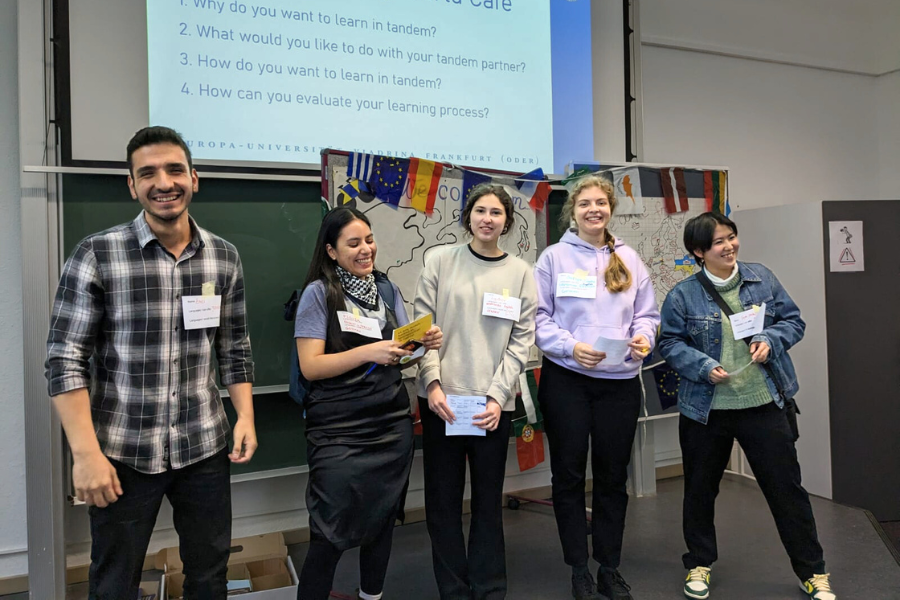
485 302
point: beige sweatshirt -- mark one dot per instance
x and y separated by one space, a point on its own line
480 355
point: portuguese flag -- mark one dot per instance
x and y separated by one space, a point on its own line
529 445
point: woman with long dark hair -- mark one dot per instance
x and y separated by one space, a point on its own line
737 383
487 299
358 426
591 286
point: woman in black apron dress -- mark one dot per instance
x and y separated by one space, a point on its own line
358 425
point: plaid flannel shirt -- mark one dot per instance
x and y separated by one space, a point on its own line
117 328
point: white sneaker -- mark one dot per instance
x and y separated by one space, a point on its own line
696 584
818 587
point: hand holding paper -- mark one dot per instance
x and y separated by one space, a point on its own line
586 356
434 338
616 350
759 351
718 375
640 347
411 337
465 408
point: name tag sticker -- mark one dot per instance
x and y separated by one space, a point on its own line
201 312
495 305
578 285
365 326
748 322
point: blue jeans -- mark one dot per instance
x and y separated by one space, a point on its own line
200 495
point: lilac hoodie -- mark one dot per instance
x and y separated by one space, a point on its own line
561 322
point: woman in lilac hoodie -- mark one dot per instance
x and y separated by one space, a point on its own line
593 292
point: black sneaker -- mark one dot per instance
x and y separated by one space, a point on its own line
583 587
611 583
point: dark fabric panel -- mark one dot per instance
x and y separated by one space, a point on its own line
863 326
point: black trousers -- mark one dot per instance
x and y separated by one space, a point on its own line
317 575
576 409
479 571
200 495
767 439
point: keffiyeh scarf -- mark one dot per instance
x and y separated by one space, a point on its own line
364 290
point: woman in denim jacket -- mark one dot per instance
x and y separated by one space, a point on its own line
733 390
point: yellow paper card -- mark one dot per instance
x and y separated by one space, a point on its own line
208 289
414 331
580 273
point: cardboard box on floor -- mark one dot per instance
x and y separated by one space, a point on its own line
261 559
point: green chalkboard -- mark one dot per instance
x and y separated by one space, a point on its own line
274 225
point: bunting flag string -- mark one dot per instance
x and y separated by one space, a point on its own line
414 182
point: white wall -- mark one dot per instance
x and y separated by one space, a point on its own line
788 134
888 112
13 559
855 36
788 239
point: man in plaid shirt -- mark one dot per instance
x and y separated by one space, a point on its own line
129 370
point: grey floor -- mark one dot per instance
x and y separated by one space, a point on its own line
752 565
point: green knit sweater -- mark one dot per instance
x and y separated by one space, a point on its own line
748 388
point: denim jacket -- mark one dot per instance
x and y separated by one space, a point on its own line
691 330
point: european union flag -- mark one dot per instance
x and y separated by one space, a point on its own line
470 180
388 180
666 385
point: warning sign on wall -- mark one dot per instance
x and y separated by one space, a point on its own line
846 246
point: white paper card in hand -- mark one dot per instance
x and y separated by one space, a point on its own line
350 323
748 322
740 370
503 307
201 312
464 408
616 350
568 285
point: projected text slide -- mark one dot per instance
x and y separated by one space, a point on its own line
462 81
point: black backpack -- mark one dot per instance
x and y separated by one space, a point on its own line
298 386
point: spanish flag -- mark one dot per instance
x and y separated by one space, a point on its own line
424 177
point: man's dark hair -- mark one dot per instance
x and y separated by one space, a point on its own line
699 231
156 134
